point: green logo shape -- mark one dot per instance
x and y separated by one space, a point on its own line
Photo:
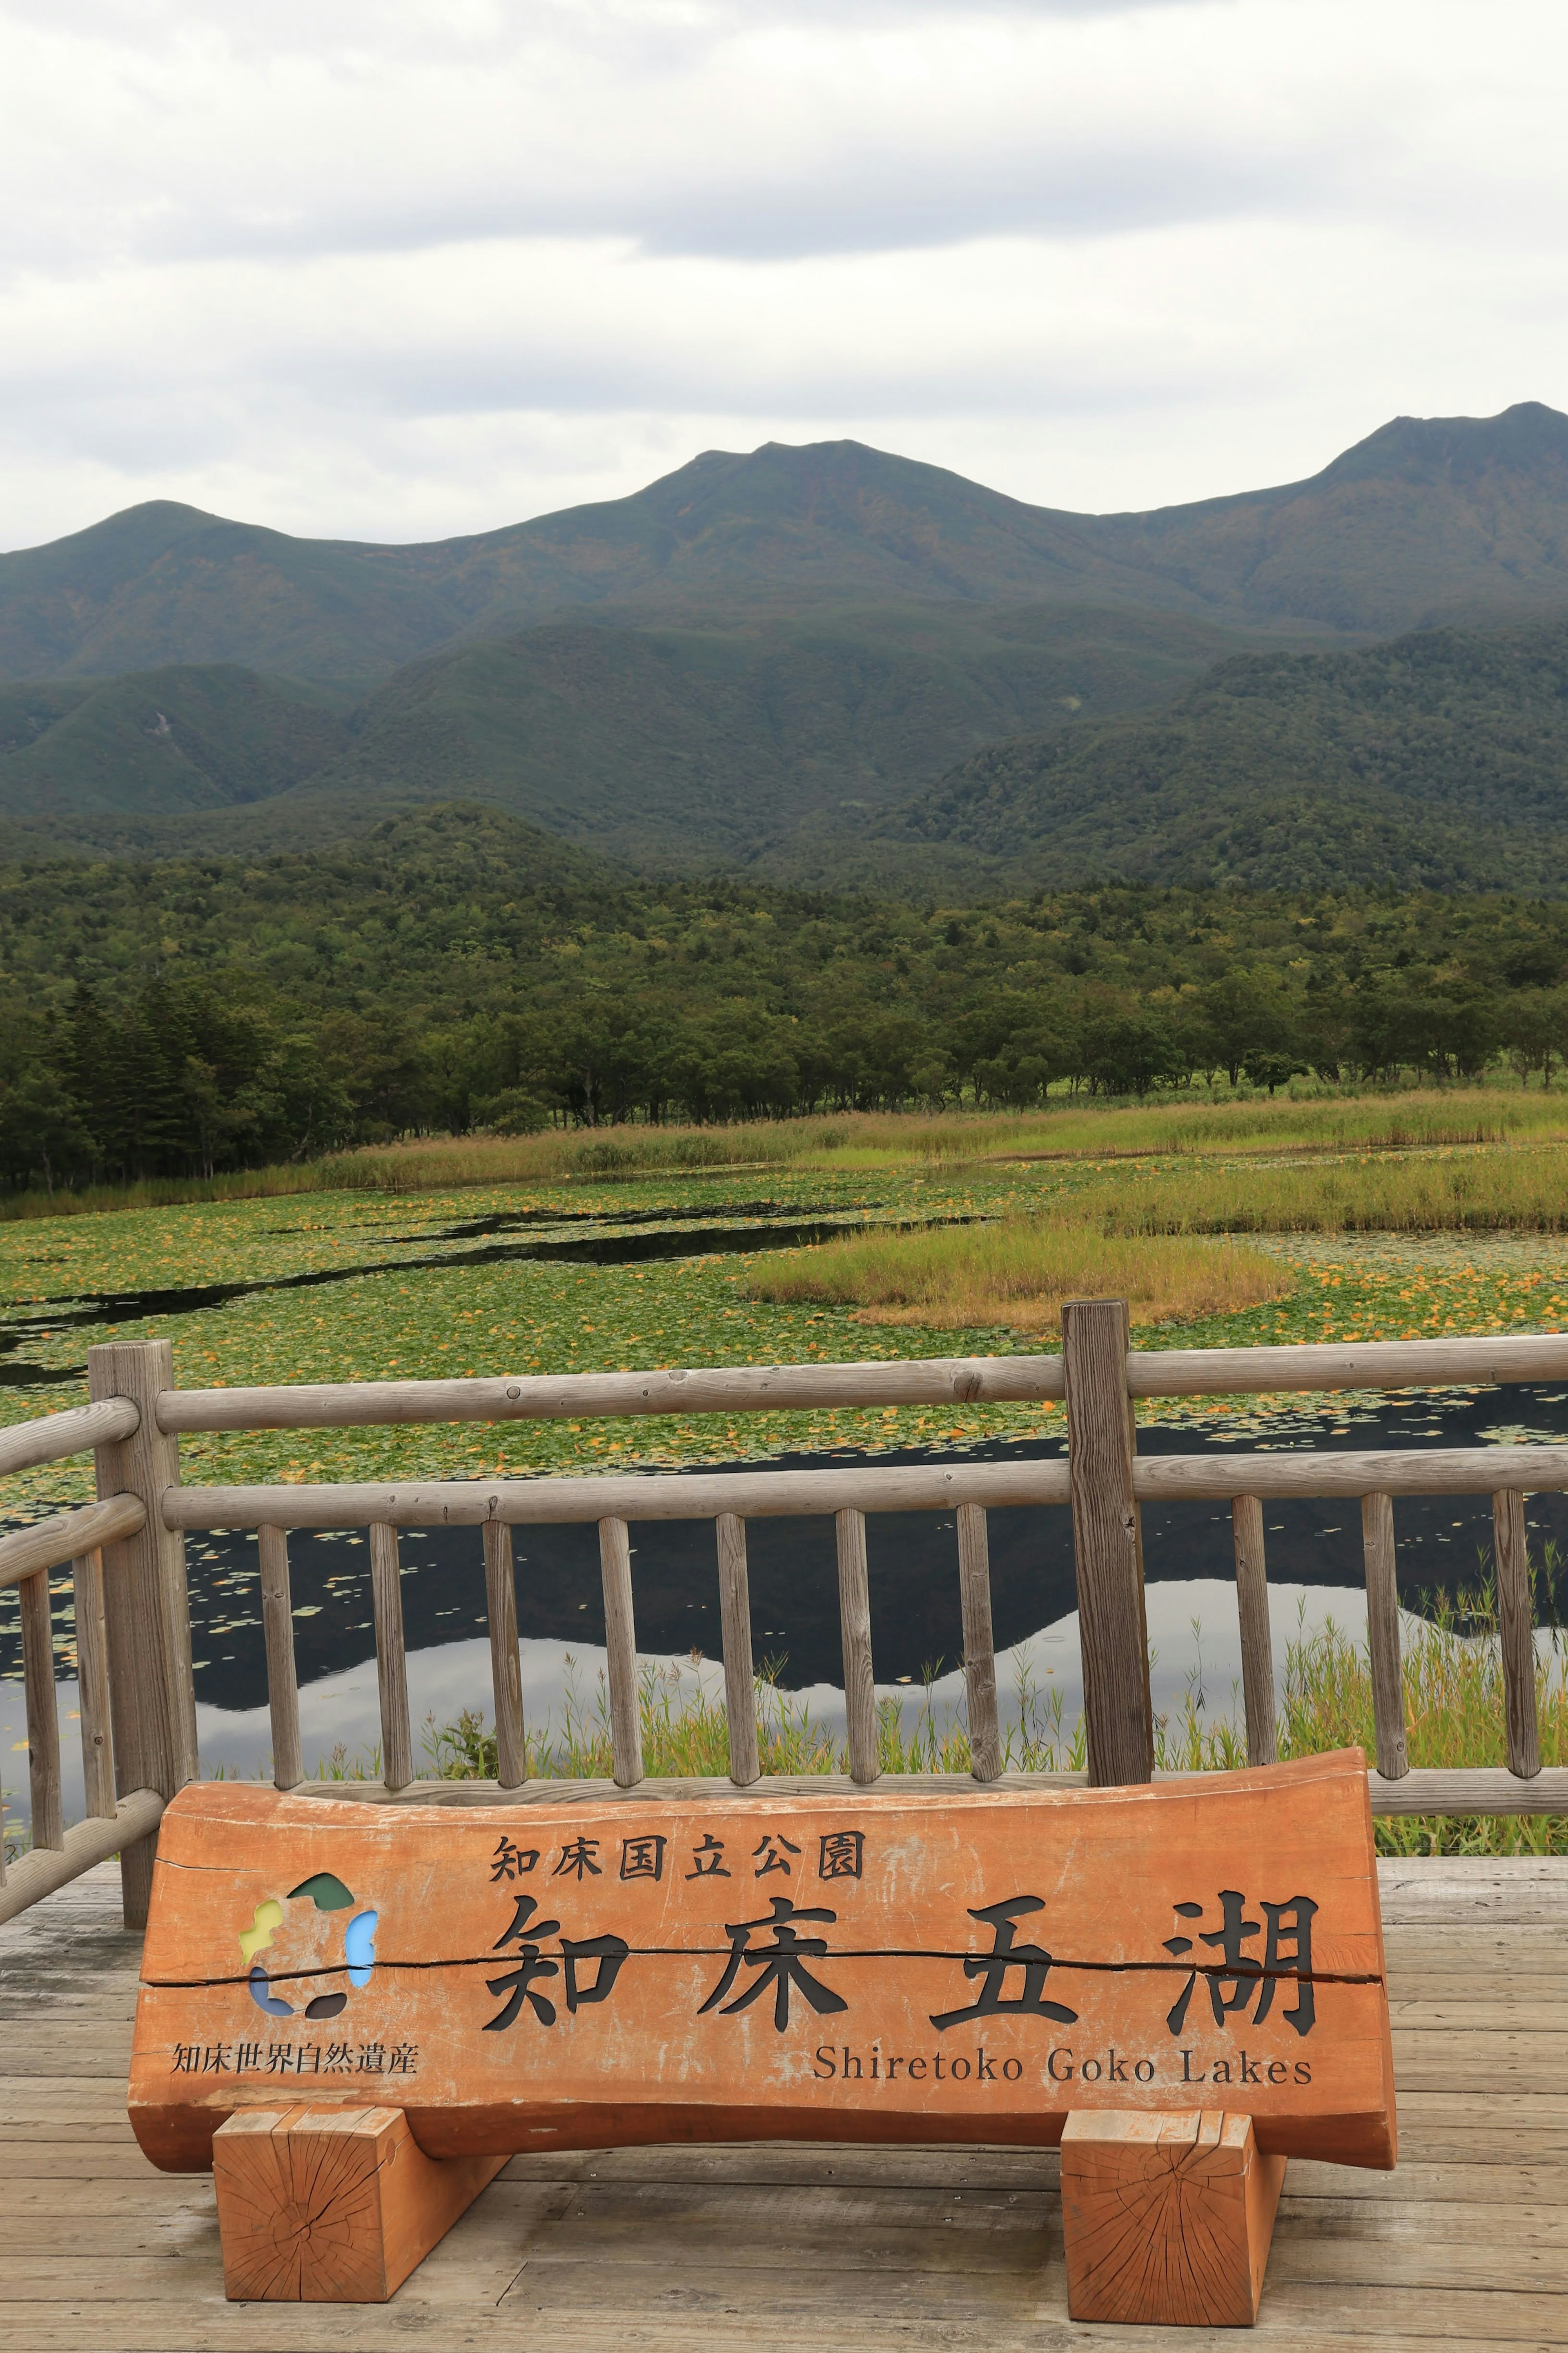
327 1894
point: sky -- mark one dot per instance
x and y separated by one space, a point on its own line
397 269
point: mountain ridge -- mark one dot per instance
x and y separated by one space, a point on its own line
1424 519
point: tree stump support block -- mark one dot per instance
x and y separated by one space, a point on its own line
1168 2217
333 2206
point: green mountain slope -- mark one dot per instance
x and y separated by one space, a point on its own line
1425 520
690 746
1438 761
160 741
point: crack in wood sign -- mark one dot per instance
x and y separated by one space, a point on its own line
704 1964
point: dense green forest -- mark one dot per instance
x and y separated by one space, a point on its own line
1439 761
456 969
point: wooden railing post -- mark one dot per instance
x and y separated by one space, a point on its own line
391 1664
282 1676
1256 1641
146 1609
855 1620
740 1679
1108 1544
1382 1636
506 1666
620 1654
979 1645
1516 1634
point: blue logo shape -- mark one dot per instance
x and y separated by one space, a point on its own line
359 1948
265 2001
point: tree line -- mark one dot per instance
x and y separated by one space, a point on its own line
457 972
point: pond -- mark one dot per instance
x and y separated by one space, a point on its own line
1314 1562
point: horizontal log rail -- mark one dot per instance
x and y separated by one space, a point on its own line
936 1380
58 1435
126 1555
904 1487
39 1873
50 1544
532 1397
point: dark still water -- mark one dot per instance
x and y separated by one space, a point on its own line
913 1555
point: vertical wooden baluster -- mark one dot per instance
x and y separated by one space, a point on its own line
506 1667
146 1607
277 1632
735 1618
43 1713
621 1654
979 1649
855 1618
1256 1641
1516 1634
1382 1636
390 1665
92 1684
1108 1543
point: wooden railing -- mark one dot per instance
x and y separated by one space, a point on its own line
132 1617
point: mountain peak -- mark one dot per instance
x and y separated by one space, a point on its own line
1530 438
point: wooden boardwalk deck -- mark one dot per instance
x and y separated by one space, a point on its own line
806 2248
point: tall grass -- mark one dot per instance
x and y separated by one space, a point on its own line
1069 1129
1018 1273
1454 1708
1522 1190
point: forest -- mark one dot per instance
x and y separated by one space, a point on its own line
456 971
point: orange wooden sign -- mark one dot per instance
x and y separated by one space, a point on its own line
869 1966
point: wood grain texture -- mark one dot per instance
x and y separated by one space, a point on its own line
391 1662
506 1664
50 1543
1166 2220
591 1987
620 1654
146 1606
533 1397
43 1714
45 1869
735 1620
1516 1634
277 1632
75 1431
855 1626
740 1389
92 1685
1108 1544
979 1647
781 2248
908 1487
1257 1642
1382 1636
323 2207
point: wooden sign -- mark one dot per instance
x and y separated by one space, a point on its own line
877 1964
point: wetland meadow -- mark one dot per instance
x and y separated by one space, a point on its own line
1411 1215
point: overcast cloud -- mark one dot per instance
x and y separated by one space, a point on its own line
398 270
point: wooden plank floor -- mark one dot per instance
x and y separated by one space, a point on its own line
813 2249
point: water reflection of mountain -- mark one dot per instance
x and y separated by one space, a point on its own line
913 1555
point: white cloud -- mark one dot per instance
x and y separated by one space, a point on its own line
398 270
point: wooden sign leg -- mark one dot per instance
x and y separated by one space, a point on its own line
331 2206
1167 2218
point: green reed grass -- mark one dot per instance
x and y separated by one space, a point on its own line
1453 1699
1069 1129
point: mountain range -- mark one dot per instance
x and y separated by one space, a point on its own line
829 662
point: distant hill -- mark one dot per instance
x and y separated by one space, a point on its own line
690 746
1438 761
1459 520
160 741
